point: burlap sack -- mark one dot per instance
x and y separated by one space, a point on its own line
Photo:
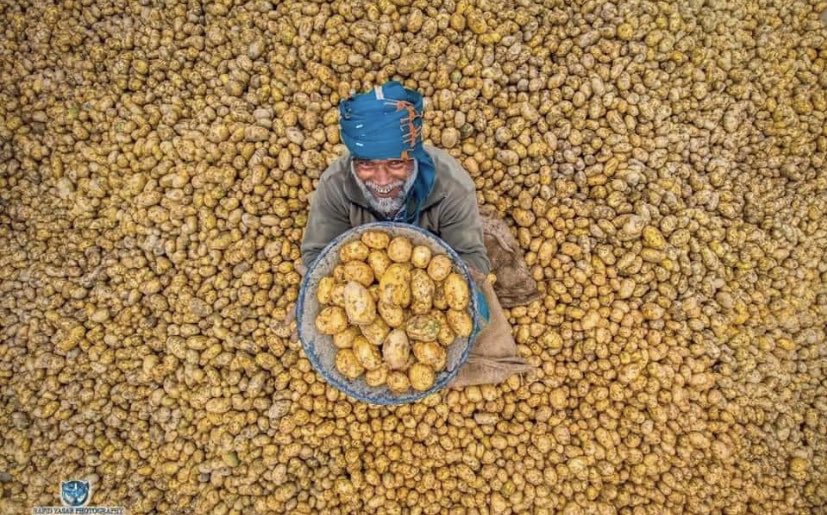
514 286
494 356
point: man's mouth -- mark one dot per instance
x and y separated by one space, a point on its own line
387 191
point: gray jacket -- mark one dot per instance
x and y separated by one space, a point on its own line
450 211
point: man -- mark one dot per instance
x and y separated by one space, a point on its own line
388 174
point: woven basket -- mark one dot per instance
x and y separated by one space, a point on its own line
319 347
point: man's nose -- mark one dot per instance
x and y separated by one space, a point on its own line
381 176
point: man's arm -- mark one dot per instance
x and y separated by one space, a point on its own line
461 227
328 219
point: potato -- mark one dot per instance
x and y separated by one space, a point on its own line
460 322
359 305
325 288
422 287
344 339
337 295
376 239
421 256
421 376
339 273
400 249
439 267
431 354
396 350
446 335
379 262
367 353
377 376
398 381
423 328
353 251
376 331
457 293
439 300
392 314
348 365
331 320
360 272
395 285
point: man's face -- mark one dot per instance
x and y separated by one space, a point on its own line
385 178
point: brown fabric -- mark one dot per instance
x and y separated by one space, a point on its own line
514 286
494 356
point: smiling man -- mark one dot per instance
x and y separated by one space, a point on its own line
388 174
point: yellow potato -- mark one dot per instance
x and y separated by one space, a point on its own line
353 251
379 262
348 365
376 331
337 295
377 376
331 320
422 286
439 301
446 335
396 350
421 376
457 292
376 239
460 322
398 381
423 328
395 285
439 267
421 256
392 314
344 339
339 273
367 353
400 249
325 288
359 305
360 272
431 354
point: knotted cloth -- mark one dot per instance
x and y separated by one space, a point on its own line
386 123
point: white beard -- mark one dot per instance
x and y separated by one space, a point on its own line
387 207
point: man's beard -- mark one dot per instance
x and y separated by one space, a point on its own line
387 207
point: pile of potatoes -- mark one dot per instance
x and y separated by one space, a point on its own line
661 165
392 308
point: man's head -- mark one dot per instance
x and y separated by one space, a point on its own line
382 129
385 182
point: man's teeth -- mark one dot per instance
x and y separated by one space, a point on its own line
384 189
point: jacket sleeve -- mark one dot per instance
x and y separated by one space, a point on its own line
460 226
328 218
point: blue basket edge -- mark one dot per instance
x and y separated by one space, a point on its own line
343 386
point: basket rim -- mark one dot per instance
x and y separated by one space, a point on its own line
343 386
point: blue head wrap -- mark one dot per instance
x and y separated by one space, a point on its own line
386 123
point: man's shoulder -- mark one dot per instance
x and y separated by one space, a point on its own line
450 173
